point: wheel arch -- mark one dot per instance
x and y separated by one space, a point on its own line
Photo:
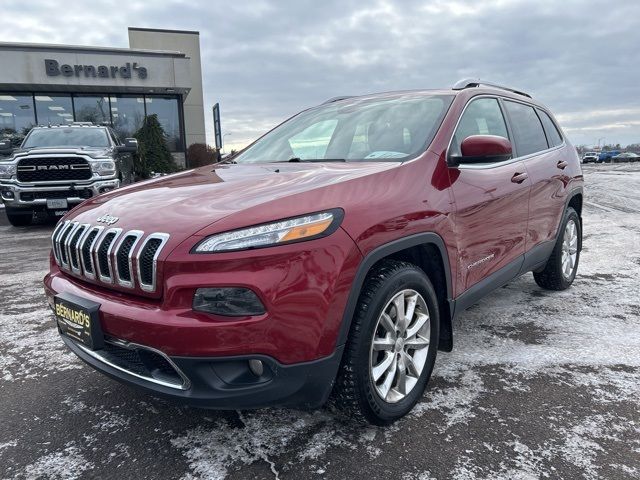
427 251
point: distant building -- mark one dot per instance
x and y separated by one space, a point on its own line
56 84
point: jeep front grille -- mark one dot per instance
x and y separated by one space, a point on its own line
109 255
53 169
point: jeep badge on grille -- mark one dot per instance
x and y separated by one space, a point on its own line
108 219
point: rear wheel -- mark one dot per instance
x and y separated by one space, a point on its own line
561 268
392 345
20 219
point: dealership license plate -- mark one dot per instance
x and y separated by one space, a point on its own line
79 319
57 203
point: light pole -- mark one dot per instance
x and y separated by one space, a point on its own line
223 142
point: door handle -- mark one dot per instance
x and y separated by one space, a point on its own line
519 177
562 164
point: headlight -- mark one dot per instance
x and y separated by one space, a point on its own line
104 168
7 170
286 231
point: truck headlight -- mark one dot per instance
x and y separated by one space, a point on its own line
7 170
104 168
291 230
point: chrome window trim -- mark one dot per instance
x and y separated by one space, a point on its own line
186 383
486 166
164 237
78 270
131 233
91 276
100 273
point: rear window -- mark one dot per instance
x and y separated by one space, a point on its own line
527 129
553 136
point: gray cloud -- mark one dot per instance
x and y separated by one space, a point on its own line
264 61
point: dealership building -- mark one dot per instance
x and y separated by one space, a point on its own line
58 84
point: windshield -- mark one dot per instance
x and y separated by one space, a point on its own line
67 137
358 129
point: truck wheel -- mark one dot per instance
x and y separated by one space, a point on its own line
561 268
392 345
20 219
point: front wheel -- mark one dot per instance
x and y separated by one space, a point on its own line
392 345
562 266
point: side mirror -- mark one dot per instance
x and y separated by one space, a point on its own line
130 145
5 147
483 149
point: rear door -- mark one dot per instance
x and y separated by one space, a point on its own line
491 201
538 143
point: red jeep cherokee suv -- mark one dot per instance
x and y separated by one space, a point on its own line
327 259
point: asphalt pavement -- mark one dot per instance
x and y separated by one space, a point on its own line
540 385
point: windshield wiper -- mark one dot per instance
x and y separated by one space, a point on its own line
298 159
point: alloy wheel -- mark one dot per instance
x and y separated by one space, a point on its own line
569 249
400 346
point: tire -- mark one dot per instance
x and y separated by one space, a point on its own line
20 219
556 275
356 393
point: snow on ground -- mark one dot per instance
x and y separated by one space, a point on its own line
539 385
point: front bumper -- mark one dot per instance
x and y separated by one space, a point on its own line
220 383
33 196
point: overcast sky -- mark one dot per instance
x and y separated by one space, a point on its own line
265 60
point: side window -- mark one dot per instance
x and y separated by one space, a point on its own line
527 129
314 140
553 136
481 117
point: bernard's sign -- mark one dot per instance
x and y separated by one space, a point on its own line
54 69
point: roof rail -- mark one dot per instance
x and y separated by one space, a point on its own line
337 99
476 82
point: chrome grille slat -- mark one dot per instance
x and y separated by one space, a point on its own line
103 254
109 255
74 259
124 258
150 286
86 252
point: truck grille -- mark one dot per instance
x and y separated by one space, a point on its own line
54 169
47 195
109 256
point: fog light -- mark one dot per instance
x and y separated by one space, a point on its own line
256 367
228 301
8 195
105 189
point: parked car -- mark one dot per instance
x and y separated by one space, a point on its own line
625 157
606 157
327 259
590 157
57 167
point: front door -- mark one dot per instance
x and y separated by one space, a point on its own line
491 202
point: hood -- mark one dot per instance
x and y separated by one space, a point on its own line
183 204
94 152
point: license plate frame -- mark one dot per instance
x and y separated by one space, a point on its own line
57 203
79 319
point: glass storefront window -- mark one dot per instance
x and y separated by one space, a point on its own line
127 115
16 116
166 108
90 108
54 109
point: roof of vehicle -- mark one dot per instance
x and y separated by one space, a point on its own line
466 86
73 125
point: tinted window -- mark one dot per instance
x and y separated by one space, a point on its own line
166 108
356 129
481 117
17 116
94 109
54 109
67 137
127 115
527 129
553 136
